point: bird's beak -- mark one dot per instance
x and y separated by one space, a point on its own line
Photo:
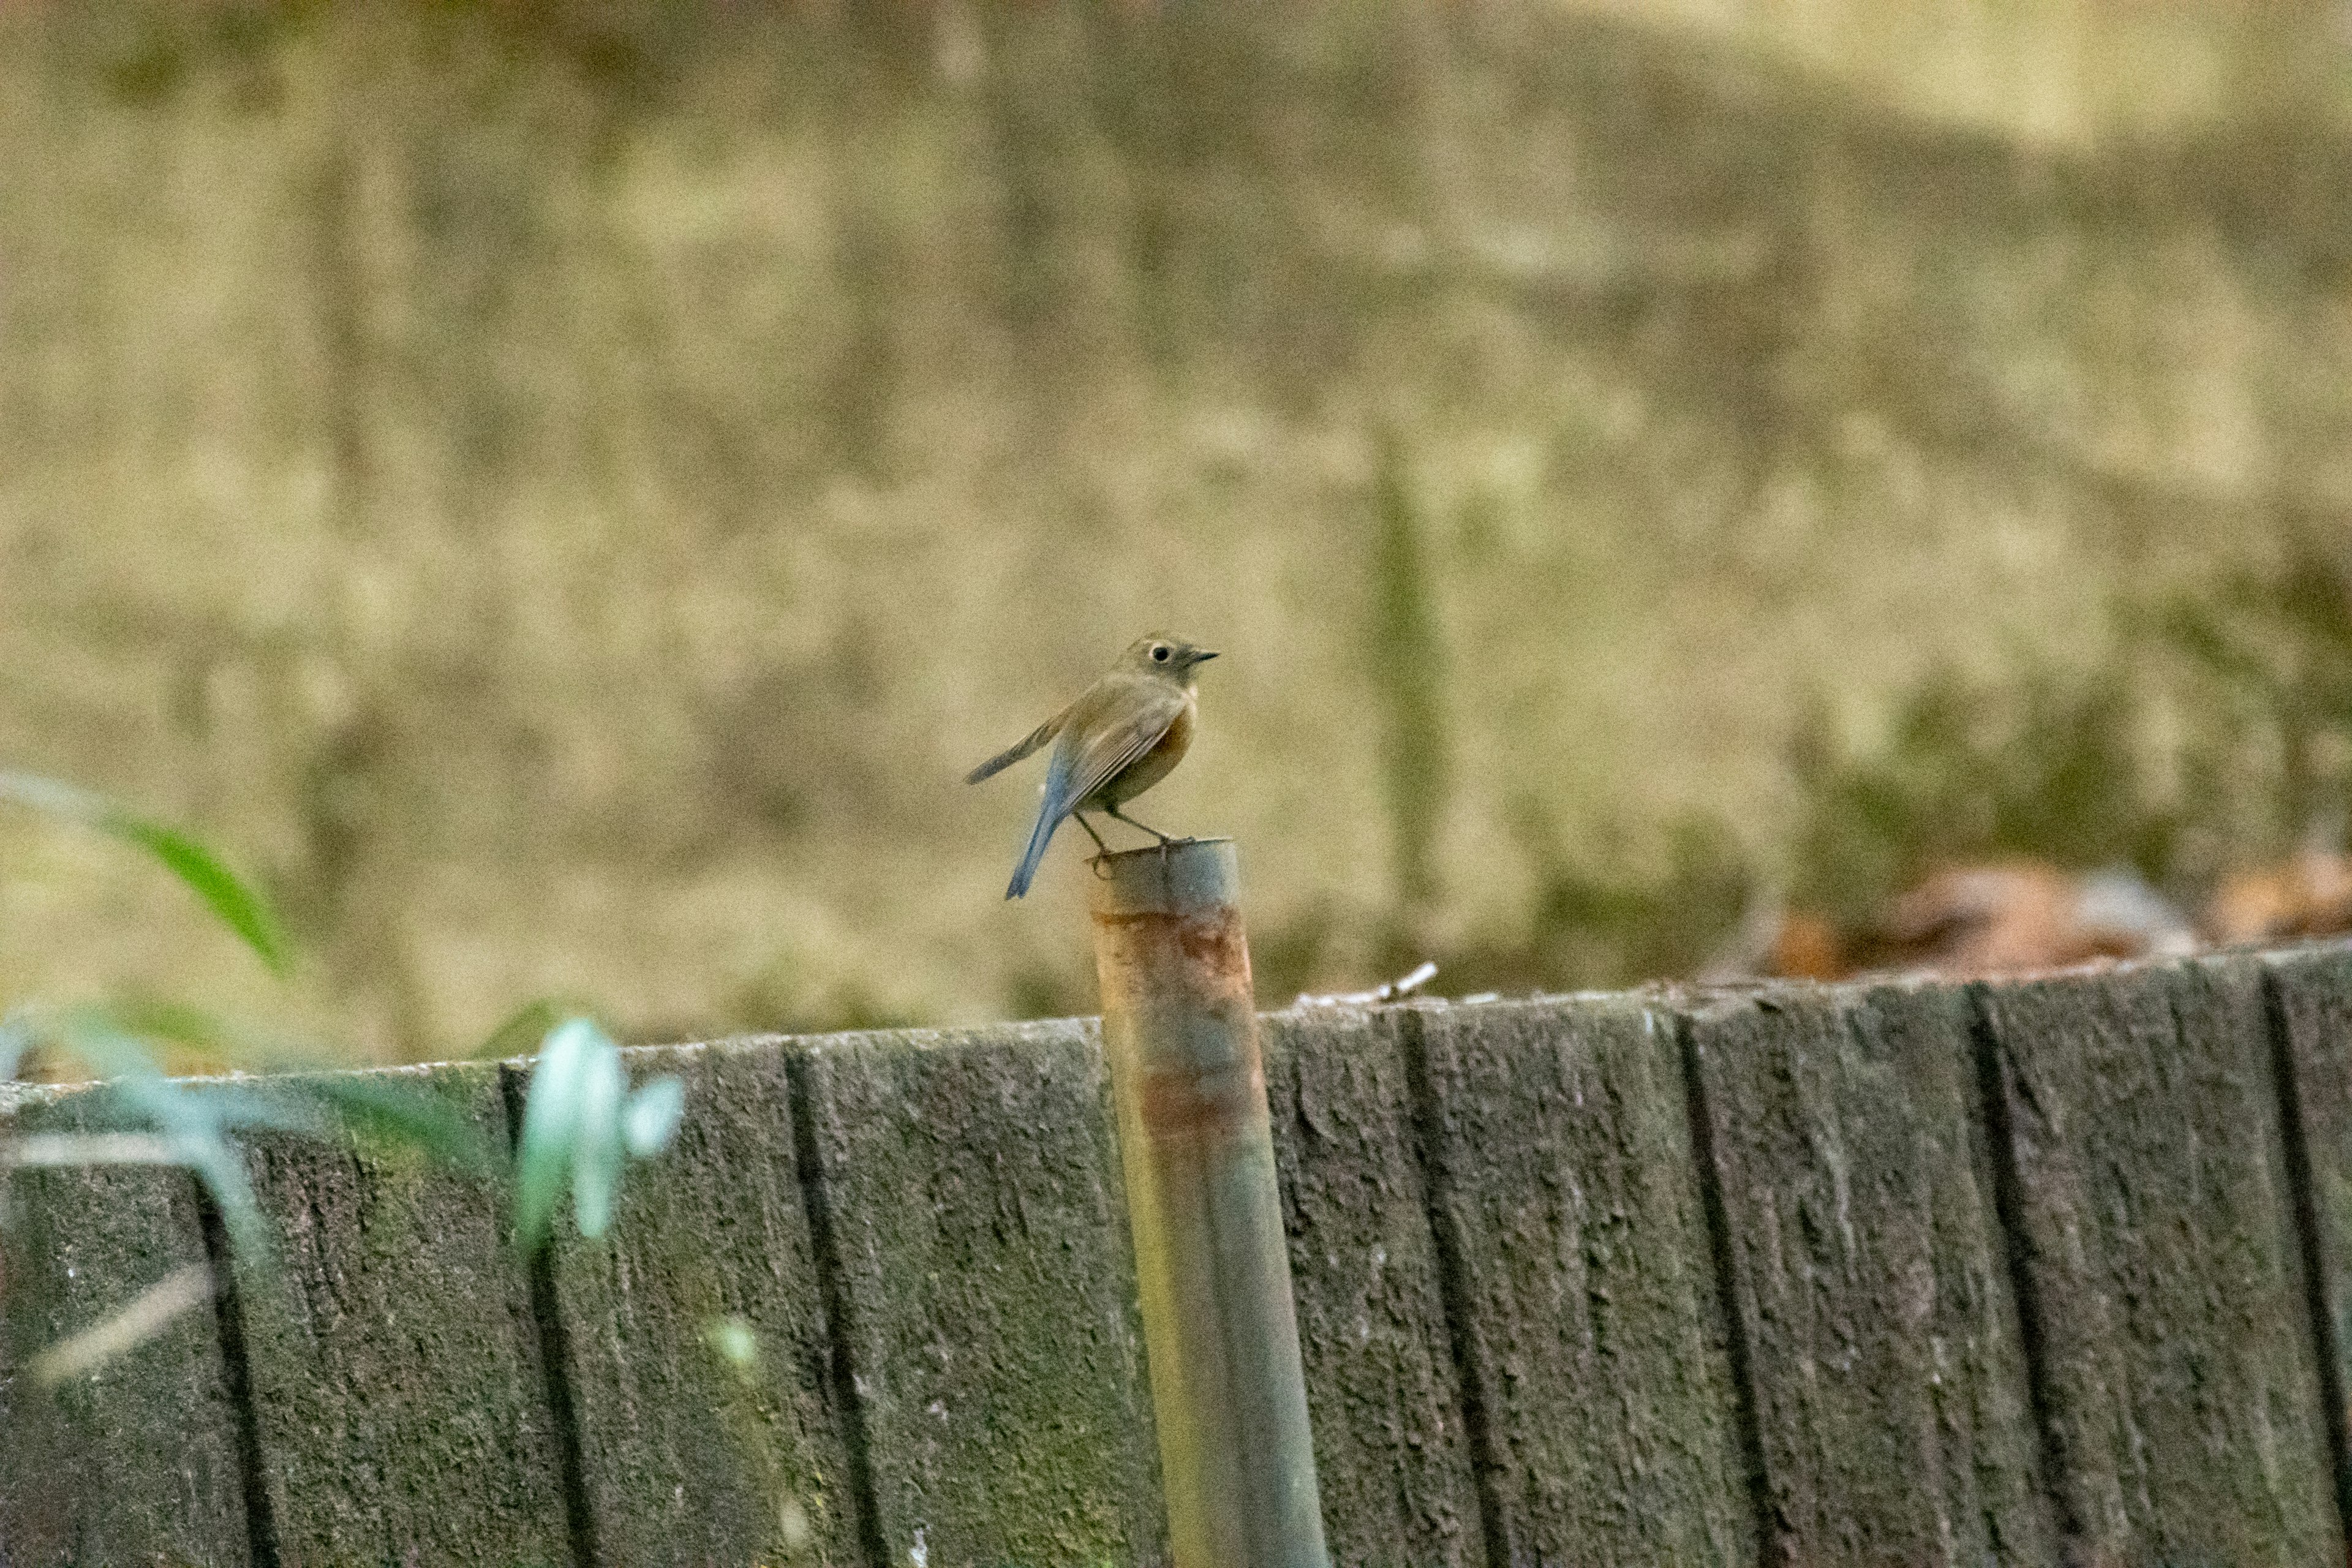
1202 655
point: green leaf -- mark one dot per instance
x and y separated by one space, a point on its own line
579 1125
523 1030
239 907
201 1134
551 1120
89 1038
197 1121
396 1112
650 1119
146 1315
221 1167
733 1341
596 1149
216 1107
17 1037
404 1114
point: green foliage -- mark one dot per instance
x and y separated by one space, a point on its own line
1408 673
2043 767
2268 651
732 1340
578 1123
1627 917
520 1031
17 1039
390 1116
1634 908
198 1124
2216 732
649 1118
238 906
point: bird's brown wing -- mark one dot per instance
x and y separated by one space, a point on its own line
1019 749
1109 729
1117 720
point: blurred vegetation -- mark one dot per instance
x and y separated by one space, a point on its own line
1408 673
581 1120
571 489
2042 766
2215 733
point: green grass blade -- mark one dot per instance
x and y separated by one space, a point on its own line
91 1039
525 1029
220 1165
148 1315
597 1143
17 1037
402 1115
650 1119
239 907
550 1126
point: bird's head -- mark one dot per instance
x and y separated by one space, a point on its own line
1160 653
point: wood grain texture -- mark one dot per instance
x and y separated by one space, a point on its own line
2159 1268
398 1391
689 1457
1569 1219
2310 993
2029 1273
1391 1450
138 1460
987 1293
1868 1270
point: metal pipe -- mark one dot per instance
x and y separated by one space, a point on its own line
1219 1332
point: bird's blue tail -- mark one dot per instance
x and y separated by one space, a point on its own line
1050 812
1039 836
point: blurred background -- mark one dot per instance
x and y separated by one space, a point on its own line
562 492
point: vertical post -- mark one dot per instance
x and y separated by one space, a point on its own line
1180 1026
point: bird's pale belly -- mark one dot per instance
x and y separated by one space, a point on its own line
1150 768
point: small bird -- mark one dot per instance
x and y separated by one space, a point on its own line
1116 741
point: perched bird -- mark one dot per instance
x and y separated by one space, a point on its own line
1116 741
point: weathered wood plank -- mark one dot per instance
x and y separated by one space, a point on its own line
138 1460
2160 1272
1392 1451
1569 1218
987 1294
1869 1275
2311 992
687 1457
398 1390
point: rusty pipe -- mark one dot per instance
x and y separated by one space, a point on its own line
1220 1331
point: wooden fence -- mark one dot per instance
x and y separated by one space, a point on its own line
2052 1272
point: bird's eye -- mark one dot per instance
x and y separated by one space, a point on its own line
1159 654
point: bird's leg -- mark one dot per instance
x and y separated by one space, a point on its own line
1164 839
1079 817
